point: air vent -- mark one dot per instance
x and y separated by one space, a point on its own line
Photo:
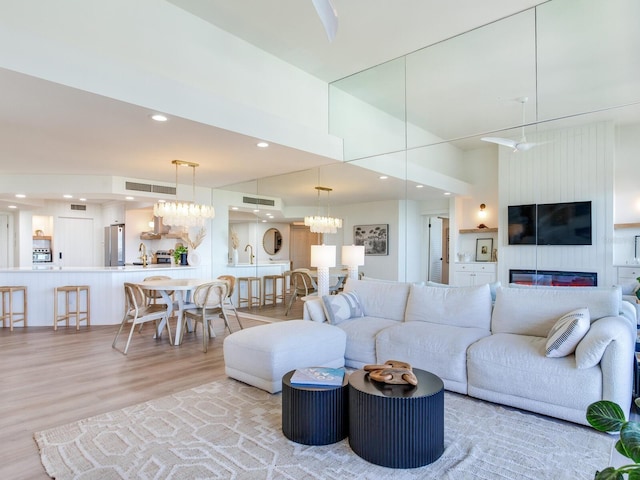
258 201
78 207
147 187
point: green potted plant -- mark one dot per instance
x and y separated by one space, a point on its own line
607 416
180 255
638 288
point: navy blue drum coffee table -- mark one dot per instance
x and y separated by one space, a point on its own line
396 426
314 415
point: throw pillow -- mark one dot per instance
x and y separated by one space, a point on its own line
341 307
567 333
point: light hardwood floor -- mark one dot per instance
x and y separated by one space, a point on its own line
51 378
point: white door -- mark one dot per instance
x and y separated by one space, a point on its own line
75 240
4 241
435 250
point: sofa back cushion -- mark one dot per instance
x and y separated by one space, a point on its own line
456 306
534 311
380 299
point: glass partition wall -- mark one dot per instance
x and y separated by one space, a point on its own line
560 83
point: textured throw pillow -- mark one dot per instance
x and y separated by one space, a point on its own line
567 333
341 307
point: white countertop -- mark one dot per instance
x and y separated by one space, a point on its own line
126 268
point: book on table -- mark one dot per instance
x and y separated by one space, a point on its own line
318 377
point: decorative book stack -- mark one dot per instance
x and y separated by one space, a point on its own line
318 377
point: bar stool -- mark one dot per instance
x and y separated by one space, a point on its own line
272 296
7 306
251 298
71 292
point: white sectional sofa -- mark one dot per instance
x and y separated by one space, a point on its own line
496 353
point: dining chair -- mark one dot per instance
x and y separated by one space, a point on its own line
154 296
228 299
303 285
208 299
138 312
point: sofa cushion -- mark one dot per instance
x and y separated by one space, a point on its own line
534 311
493 287
503 367
361 339
456 306
440 349
341 307
567 333
380 299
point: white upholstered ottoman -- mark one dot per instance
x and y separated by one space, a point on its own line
261 355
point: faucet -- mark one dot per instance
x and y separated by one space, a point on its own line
252 255
143 250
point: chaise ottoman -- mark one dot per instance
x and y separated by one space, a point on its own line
260 356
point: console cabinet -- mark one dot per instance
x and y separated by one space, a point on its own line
474 273
627 275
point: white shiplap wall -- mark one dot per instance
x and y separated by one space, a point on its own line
574 164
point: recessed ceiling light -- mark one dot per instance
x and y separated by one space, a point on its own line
262 144
419 186
161 201
383 177
12 206
159 117
67 196
129 198
20 195
264 221
256 211
234 208
83 199
447 193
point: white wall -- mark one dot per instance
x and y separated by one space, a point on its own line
574 164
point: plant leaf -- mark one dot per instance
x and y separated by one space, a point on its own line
608 473
635 473
630 437
605 416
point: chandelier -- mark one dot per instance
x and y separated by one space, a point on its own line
184 214
319 223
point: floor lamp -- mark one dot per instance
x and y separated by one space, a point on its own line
353 257
323 257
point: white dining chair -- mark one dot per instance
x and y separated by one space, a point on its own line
209 300
137 312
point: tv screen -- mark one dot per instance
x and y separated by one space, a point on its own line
564 223
522 224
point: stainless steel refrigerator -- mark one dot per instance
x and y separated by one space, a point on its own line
114 245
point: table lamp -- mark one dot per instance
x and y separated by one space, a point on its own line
323 257
353 257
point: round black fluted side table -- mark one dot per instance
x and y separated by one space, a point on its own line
314 415
396 426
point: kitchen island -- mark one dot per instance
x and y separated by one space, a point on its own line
106 283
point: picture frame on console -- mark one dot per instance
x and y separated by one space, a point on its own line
484 247
375 238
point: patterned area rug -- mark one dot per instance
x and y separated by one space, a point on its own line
230 430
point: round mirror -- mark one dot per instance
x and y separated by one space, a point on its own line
272 241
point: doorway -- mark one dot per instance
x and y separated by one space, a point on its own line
301 241
4 241
437 235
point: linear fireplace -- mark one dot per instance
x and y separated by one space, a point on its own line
553 278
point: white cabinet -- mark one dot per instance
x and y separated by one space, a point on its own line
474 273
627 275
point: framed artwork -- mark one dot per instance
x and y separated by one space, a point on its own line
484 247
636 252
375 238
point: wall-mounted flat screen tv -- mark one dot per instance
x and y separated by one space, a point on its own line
522 224
564 223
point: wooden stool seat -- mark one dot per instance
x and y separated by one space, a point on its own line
274 295
72 293
251 298
7 305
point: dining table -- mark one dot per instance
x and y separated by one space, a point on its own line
183 288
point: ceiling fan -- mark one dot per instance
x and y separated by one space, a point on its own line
328 16
518 146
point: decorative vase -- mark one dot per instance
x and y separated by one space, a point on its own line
234 256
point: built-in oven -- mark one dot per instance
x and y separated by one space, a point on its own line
41 255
